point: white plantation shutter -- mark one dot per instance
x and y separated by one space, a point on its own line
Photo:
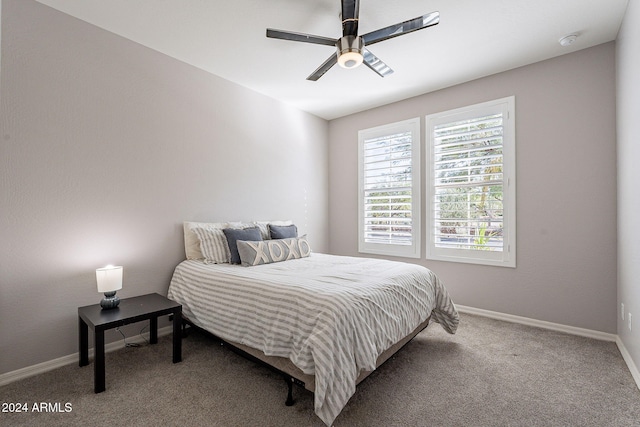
468 184
387 189
472 184
389 216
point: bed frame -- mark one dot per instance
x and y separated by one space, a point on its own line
284 367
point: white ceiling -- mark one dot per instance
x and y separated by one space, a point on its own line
474 38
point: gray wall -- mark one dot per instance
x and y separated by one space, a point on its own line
628 110
106 147
566 189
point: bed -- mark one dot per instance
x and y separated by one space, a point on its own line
325 320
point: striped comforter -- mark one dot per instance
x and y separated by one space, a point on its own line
330 315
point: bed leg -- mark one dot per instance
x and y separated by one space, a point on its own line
290 400
185 329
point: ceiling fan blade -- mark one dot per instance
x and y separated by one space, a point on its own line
405 27
376 64
300 37
350 12
326 65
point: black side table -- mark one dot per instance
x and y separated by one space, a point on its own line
130 310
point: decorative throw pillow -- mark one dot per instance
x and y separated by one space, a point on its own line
213 243
268 251
283 231
235 234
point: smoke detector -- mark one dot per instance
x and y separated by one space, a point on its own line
568 40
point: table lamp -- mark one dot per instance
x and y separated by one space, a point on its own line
109 281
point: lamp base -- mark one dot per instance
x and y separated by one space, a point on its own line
109 301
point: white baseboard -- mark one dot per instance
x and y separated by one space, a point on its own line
588 333
603 336
41 368
629 361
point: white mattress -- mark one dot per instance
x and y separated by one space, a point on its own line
332 316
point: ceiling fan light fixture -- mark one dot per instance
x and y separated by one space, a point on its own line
350 51
350 59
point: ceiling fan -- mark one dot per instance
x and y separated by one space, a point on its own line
351 50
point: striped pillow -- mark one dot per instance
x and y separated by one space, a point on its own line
268 251
213 243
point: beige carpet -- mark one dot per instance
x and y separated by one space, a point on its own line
490 373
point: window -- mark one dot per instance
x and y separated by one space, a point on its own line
389 189
471 189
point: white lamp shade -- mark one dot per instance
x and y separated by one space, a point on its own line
109 278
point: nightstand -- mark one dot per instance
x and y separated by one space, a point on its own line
130 310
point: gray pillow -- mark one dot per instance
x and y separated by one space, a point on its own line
235 234
268 251
283 231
